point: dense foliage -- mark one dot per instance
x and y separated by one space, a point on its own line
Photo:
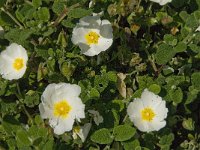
155 47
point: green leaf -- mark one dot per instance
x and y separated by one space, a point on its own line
123 132
94 93
117 105
164 54
2 2
8 107
11 143
79 12
179 3
58 6
3 85
62 39
37 3
100 82
184 15
88 92
188 124
154 88
48 145
38 120
167 70
194 48
170 39
68 23
191 95
112 76
176 95
10 125
131 144
43 14
102 136
116 117
22 139
19 36
144 81
166 139
5 19
42 52
196 80
67 69
32 98
181 47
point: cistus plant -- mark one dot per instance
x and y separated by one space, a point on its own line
100 74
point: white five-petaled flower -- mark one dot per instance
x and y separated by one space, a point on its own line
92 35
161 2
61 105
82 131
13 62
148 113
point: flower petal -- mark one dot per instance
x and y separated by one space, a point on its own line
134 109
90 21
64 125
106 30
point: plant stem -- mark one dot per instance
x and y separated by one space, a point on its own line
151 61
12 17
125 118
20 97
27 114
64 14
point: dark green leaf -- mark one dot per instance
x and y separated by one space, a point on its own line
102 136
123 132
79 12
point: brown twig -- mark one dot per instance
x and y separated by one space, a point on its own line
63 14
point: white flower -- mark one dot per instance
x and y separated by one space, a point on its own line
97 117
13 62
61 105
82 131
92 35
148 112
1 30
161 2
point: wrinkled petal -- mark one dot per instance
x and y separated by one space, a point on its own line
83 133
134 109
78 35
156 125
64 125
91 21
106 30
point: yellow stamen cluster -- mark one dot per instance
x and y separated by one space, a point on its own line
147 114
62 109
92 38
18 64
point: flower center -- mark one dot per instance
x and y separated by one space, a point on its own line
92 38
18 64
62 109
147 114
